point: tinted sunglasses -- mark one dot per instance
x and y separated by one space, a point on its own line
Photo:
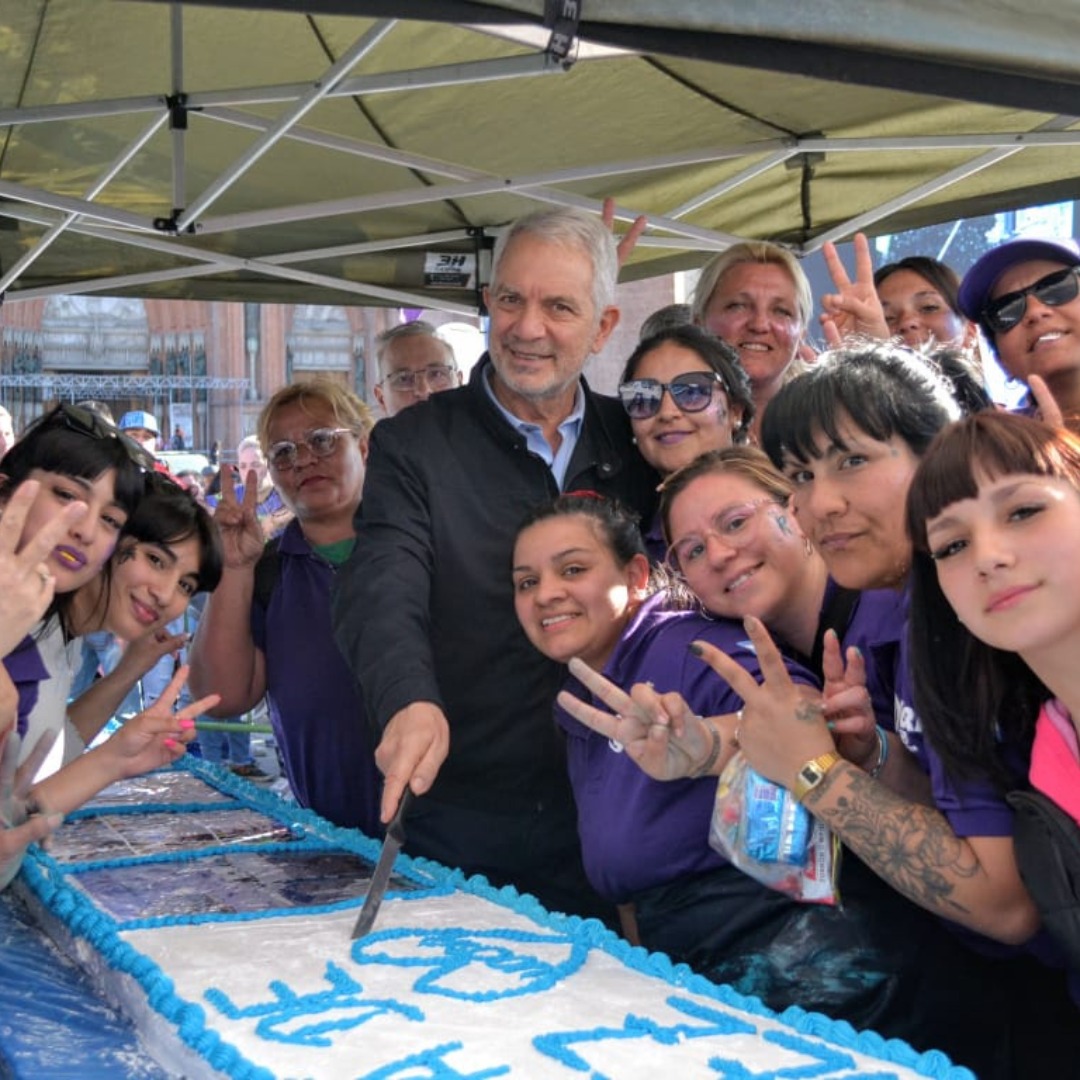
691 392
1053 290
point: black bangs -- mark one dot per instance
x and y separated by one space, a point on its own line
883 389
72 453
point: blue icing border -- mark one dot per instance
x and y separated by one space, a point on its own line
48 880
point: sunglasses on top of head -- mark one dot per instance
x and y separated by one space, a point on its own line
692 391
89 423
1055 289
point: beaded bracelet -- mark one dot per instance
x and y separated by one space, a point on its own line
714 753
882 755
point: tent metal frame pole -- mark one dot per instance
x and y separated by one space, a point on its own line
744 177
478 71
334 74
345 145
179 131
217 263
110 215
57 230
1051 128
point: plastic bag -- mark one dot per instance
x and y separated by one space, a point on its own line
760 828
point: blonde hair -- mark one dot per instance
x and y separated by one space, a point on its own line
752 251
349 411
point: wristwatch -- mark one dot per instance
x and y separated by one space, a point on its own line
812 773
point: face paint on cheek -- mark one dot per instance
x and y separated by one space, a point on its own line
784 525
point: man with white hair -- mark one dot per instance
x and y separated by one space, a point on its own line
414 363
424 608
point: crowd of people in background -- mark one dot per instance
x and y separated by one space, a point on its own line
558 617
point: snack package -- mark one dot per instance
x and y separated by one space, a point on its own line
760 828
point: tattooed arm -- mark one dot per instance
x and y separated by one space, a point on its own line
971 880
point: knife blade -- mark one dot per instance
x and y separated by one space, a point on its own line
395 837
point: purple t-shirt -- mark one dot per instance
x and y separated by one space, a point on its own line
875 626
637 832
316 710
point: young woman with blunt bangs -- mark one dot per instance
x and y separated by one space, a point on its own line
993 512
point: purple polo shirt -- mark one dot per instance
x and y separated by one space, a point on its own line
26 670
637 832
875 627
315 706
974 807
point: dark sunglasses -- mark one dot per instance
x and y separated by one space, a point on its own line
89 423
1053 290
692 391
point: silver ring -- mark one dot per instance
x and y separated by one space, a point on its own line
738 727
45 576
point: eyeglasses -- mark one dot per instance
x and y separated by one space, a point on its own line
692 391
438 377
322 442
87 422
1053 290
734 527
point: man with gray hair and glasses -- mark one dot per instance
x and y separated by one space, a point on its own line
414 363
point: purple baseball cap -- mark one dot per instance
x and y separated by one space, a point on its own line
979 280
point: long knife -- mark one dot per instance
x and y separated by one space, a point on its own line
395 837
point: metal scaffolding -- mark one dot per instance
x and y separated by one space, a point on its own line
111 386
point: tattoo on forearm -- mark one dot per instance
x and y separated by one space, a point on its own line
912 847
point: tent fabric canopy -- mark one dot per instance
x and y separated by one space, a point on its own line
219 151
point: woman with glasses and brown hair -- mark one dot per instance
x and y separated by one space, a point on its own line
266 630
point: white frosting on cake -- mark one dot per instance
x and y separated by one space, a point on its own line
456 980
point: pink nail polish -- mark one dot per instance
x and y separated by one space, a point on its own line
172 744
187 723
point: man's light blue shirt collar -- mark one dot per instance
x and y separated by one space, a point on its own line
535 442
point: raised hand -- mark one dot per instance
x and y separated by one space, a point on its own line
659 732
848 708
242 537
157 736
783 723
854 308
1049 409
143 652
629 239
26 583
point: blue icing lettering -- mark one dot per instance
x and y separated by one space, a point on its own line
557 1045
431 1061
826 1061
509 958
288 1008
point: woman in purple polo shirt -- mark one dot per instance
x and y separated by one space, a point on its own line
582 594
